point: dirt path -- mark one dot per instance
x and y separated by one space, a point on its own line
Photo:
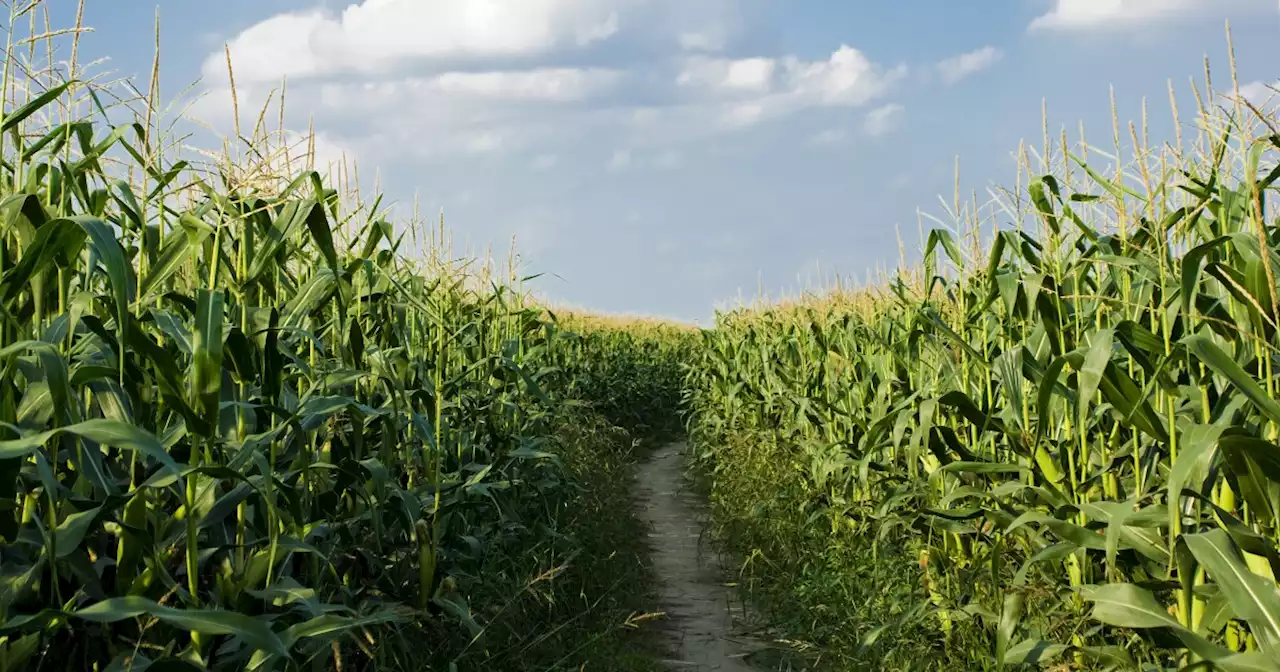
700 624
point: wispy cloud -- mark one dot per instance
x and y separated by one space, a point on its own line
712 39
830 136
963 65
1081 15
882 120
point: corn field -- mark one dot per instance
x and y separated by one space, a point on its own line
247 422
1053 443
632 369
249 419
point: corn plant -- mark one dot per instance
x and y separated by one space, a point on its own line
242 424
631 369
1067 423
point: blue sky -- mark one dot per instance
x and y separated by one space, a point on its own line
665 156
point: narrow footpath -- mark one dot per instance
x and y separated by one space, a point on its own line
699 629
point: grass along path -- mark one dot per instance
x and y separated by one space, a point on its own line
700 626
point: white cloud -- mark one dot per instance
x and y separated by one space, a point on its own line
385 75
742 115
540 84
428 117
452 93
627 159
713 39
278 46
1086 14
847 78
747 74
882 120
960 66
755 89
378 35
1261 95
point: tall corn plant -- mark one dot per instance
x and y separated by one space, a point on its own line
228 437
630 370
1073 424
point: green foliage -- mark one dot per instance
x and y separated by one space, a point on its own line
242 427
631 370
1061 452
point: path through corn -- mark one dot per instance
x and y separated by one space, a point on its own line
700 617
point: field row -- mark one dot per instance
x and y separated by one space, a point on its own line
1055 442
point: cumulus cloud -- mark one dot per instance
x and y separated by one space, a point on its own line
379 35
428 79
882 120
847 78
722 75
963 65
474 113
754 89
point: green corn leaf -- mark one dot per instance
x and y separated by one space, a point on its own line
1204 350
1033 652
10 120
1198 445
328 625
1010 616
206 371
983 468
1129 606
322 234
175 253
119 270
1045 395
309 297
71 531
1191 265
254 632
53 241
1118 190
1256 466
1090 376
1253 598
106 432
292 216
